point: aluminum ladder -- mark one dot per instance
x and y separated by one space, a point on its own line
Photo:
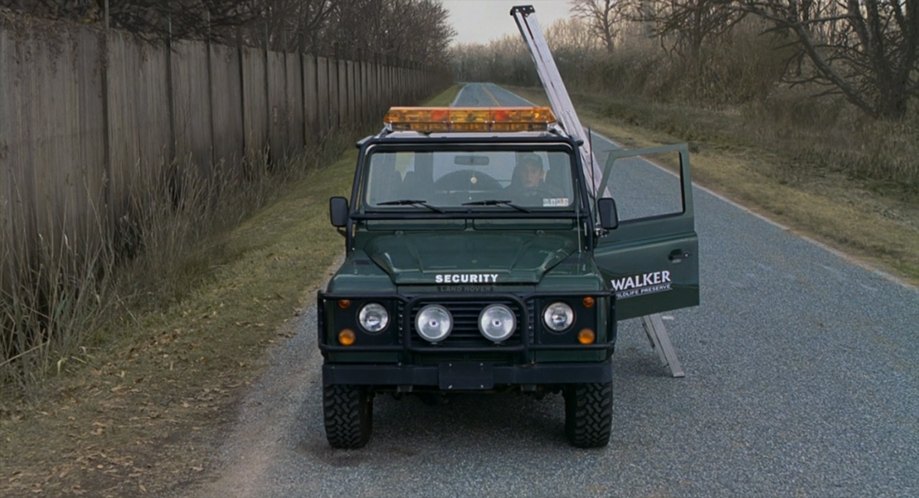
560 101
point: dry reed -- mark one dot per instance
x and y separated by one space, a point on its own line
60 293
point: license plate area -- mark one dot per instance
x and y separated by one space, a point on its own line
466 376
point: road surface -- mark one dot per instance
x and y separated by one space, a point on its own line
802 377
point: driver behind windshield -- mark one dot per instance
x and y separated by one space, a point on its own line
528 174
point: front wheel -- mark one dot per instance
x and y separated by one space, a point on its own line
589 414
348 414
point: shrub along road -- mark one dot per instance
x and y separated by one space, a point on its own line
801 379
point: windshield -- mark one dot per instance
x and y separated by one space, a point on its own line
469 179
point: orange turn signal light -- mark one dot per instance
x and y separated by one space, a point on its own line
588 302
586 336
346 337
344 303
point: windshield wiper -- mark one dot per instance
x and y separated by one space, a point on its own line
496 202
410 202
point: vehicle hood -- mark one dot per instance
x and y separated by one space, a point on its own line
470 257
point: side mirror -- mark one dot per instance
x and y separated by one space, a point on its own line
609 218
338 211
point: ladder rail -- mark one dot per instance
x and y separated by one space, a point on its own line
559 99
552 82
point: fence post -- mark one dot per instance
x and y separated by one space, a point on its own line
210 95
303 104
375 84
318 132
107 193
333 69
362 94
334 114
284 112
359 87
352 89
267 93
170 94
242 91
345 84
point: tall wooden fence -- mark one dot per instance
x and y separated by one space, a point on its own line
90 118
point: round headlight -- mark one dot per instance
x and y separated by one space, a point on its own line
497 322
558 316
434 323
373 317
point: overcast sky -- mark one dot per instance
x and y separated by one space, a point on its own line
484 20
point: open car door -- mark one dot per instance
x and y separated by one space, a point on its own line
651 259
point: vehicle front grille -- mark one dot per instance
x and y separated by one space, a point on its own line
466 322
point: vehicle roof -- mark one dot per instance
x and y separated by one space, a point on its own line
554 134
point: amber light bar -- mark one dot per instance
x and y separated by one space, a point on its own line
446 119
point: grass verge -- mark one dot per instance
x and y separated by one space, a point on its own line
141 413
141 407
876 224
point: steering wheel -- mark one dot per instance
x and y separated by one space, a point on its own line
466 180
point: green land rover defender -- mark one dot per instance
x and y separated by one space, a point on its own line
478 259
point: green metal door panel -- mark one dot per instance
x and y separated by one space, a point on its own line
651 263
653 276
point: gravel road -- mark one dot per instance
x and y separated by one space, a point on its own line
802 377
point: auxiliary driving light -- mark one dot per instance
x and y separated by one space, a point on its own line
434 323
373 317
558 316
497 322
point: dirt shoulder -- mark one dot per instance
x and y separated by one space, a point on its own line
878 228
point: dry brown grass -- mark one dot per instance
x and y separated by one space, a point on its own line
59 290
140 409
810 138
133 412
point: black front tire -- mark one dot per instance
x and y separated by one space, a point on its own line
348 414
589 414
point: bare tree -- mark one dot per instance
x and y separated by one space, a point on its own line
690 24
866 50
416 30
602 16
572 35
295 24
432 33
148 18
575 48
505 59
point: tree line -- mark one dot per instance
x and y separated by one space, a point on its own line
866 51
413 30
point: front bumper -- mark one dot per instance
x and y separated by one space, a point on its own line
465 376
